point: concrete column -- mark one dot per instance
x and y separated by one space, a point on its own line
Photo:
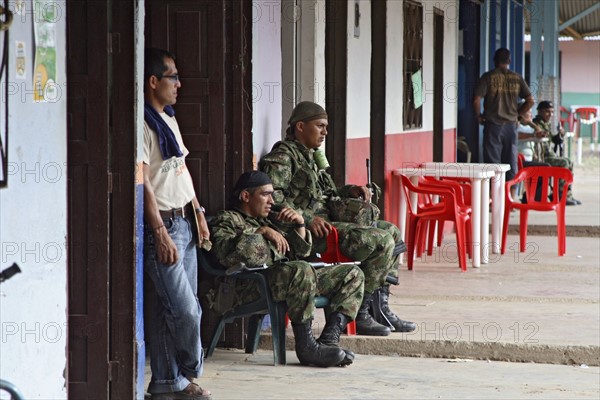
535 9
550 66
289 16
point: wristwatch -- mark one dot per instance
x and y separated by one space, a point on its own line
201 209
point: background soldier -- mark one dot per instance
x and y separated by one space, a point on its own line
543 119
245 234
303 185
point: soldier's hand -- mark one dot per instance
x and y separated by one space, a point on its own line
319 227
290 215
361 192
166 251
276 238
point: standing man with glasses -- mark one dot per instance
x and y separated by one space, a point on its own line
174 220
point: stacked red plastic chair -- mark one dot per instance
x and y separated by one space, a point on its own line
447 210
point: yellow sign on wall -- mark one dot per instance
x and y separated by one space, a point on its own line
46 13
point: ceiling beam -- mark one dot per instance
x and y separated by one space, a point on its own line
571 32
577 17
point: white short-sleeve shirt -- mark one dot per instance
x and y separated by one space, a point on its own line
171 180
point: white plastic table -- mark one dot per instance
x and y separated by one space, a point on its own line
480 199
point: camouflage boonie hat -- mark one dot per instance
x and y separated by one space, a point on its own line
307 111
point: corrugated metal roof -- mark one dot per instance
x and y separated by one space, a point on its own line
567 9
588 25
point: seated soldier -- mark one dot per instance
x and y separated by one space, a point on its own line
250 233
304 185
543 119
530 146
531 138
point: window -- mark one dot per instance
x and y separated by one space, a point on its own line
413 63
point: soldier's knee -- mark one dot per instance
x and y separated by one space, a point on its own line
356 274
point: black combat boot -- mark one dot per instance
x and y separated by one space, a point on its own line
365 324
381 312
310 352
336 322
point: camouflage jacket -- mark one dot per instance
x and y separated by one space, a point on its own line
298 182
235 240
546 127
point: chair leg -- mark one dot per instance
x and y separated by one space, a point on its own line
277 313
460 244
469 234
561 232
430 236
507 210
412 239
254 325
215 337
523 230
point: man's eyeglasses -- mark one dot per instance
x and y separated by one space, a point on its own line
173 78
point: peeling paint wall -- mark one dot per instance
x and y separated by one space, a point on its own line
33 214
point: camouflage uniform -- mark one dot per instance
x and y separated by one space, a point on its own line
295 282
299 184
551 157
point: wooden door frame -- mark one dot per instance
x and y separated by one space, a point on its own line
438 85
378 95
125 258
238 89
88 200
336 83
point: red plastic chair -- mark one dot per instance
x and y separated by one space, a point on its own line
447 210
586 114
550 177
333 255
520 161
565 119
462 194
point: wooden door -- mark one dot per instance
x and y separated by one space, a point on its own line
194 33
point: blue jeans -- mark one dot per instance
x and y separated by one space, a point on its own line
500 145
174 336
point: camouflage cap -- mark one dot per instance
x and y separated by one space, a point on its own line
307 111
543 105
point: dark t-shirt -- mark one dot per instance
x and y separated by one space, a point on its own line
501 90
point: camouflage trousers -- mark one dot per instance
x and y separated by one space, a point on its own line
373 246
297 283
563 162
